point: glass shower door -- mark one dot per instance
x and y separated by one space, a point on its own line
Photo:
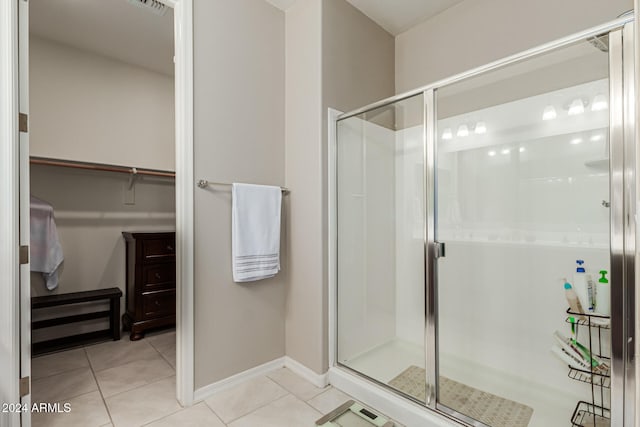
380 243
522 193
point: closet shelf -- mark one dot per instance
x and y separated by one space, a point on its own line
100 167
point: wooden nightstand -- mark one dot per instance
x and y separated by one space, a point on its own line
151 282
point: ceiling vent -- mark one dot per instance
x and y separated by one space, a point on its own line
154 6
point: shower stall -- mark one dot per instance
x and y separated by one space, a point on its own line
458 212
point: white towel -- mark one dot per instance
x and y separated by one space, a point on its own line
46 251
255 231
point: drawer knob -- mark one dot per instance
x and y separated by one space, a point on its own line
158 276
158 303
170 248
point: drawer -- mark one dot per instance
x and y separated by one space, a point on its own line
158 250
158 304
159 276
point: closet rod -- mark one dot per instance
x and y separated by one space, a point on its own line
99 167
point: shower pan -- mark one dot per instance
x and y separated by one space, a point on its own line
458 212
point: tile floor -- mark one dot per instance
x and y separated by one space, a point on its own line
124 383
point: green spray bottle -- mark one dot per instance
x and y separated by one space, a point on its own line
603 295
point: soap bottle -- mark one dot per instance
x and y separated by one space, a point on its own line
603 295
581 287
572 298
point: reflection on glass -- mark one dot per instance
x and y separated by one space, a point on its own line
517 205
381 191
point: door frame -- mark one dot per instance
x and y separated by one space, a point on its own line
9 211
185 349
13 333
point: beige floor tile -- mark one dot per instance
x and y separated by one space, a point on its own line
145 404
87 410
196 416
171 359
57 363
133 375
63 386
117 353
329 400
244 398
295 384
288 411
165 343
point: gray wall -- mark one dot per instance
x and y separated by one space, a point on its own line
338 58
473 33
239 137
305 309
357 58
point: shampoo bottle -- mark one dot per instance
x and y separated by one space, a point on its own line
572 298
603 295
581 287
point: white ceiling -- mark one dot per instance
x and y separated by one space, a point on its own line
139 36
282 4
399 15
145 39
395 16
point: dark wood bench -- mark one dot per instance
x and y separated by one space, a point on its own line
113 332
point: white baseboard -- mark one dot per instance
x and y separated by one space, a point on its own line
208 390
399 409
319 380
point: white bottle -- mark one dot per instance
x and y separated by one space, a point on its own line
572 298
581 287
591 291
603 295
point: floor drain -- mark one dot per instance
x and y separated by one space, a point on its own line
353 414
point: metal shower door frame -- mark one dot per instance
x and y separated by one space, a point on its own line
623 162
622 221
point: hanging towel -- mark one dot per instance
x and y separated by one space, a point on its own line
255 231
46 251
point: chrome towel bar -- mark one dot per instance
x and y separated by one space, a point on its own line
203 183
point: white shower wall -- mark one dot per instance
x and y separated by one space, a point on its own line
366 243
410 217
501 249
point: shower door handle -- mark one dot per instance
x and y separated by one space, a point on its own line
439 249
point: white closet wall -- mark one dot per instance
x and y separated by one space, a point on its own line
90 108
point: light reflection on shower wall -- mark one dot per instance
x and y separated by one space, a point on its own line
527 179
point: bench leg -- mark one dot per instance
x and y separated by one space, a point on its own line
114 318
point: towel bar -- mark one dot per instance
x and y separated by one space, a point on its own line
203 183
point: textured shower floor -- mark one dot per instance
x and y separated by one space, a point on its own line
550 406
